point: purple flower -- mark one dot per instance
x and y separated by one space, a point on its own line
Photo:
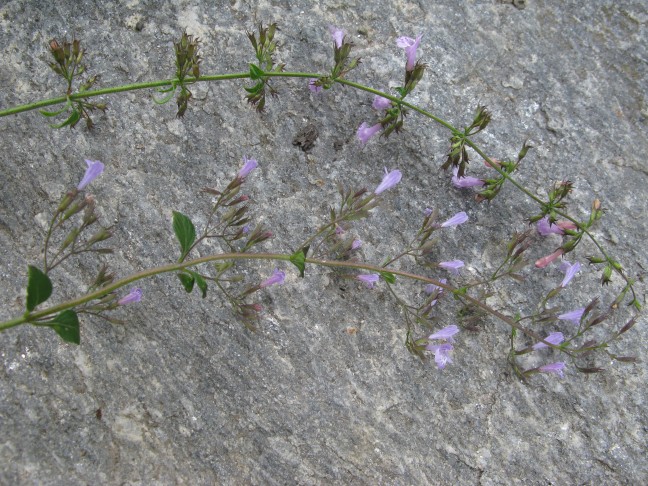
410 45
365 132
556 368
338 35
554 338
465 181
369 279
135 295
431 288
389 180
445 334
381 103
277 277
248 166
441 354
356 244
570 270
457 219
313 87
428 212
452 266
545 228
94 170
573 316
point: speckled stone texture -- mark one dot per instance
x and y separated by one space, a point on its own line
189 396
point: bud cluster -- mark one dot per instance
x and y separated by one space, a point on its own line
187 63
67 64
458 154
264 48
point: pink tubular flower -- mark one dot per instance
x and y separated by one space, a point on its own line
94 170
248 166
465 181
277 277
365 132
410 45
452 266
441 354
369 279
135 295
573 316
457 219
445 334
338 35
381 103
554 338
389 180
570 270
556 368
313 87
546 260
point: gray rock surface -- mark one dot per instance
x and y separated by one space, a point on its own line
187 395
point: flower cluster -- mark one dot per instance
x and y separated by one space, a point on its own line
442 351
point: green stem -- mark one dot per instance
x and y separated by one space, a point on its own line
70 304
246 75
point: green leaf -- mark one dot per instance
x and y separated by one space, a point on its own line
254 89
53 113
164 99
200 281
299 259
255 72
72 120
187 281
388 277
39 287
185 231
66 325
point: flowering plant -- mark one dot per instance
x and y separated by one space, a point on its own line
230 222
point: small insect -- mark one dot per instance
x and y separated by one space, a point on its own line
98 414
